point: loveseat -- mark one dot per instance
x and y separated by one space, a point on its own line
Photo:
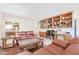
27 39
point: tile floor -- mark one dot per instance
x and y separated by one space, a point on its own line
47 41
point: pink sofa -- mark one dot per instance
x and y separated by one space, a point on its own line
60 47
27 39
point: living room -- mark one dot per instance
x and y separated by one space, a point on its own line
51 25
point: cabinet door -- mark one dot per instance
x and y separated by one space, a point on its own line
42 34
67 37
60 36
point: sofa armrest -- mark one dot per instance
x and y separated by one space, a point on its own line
41 38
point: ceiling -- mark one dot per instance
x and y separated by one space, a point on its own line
37 11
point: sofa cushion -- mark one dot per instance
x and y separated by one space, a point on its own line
72 50
26 35
54 49
60 43
24 43
30 34
42 51
20 35
74 41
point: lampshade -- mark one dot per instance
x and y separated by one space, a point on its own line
8 27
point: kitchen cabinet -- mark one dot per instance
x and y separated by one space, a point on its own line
65 37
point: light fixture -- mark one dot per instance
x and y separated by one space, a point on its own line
8 27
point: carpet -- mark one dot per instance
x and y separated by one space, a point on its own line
13 50
33 50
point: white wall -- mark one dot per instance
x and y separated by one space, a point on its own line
76 15
1 27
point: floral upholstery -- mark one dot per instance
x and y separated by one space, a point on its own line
25 35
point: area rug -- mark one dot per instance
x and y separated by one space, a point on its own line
33 50
13 50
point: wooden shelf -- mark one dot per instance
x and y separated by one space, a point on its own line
49 21
66 20
43 24
62 20
46 23
56 21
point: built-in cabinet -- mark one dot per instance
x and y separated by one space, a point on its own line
66 20
47 23
43 24
62 20
56 21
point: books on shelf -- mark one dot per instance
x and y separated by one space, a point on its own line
62 20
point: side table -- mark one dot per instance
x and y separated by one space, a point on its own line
8 42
